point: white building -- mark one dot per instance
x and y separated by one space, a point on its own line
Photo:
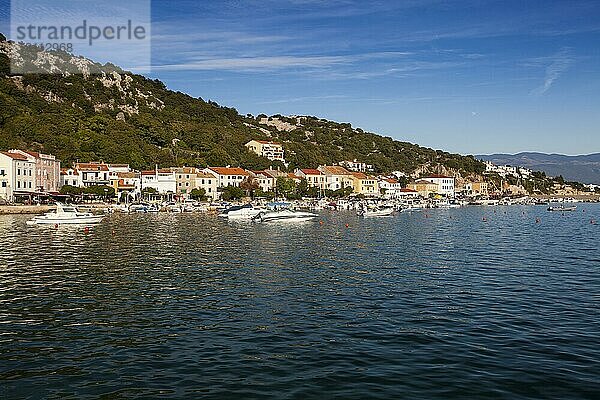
70 177
390 188
265 181
356 166
227 176
93 173
271 150
17 175
446 184
163 180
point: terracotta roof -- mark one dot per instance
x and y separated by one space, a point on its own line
228 171
359 175
205 175
310 171
335 170
15 156
63 171
407 190
126 174
424 182
390 180
91 167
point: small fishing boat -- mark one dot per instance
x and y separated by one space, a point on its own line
562 208
283 216
65 215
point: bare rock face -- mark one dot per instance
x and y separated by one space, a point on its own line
121 116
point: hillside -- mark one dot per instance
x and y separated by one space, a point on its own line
104 113
584 168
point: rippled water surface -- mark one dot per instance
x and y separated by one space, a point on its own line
423 305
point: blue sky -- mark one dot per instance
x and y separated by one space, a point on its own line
465 76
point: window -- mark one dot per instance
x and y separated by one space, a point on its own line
29 185
19 171
3 184
18 184
2 173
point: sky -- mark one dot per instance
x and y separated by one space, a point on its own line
473 77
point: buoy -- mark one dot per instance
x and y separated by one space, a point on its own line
86 230
484 219
56 226
537 220
113 232
347 225
321 222
593 222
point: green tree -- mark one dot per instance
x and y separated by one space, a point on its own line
285 187
232 193
198 194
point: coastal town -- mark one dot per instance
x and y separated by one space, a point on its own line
28 177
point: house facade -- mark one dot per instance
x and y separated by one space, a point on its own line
17 175
336 177
47 170
162 180
70 177
208 182
314 177
446 184
227 176
424 188
364 184
93 173
268 149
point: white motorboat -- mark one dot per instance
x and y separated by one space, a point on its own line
247 211
65 215
562 208
284 216
376 212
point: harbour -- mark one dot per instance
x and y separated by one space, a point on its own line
423 304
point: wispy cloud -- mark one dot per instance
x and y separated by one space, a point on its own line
559 63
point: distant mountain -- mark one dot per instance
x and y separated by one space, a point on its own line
585 168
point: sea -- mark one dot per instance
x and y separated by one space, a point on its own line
469 303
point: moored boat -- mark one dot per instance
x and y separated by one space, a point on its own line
66 215
246 211
283 216
562 208
375 212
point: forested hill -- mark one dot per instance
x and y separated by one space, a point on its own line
104 113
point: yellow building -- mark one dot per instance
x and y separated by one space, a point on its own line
476 189
364 184
424 188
